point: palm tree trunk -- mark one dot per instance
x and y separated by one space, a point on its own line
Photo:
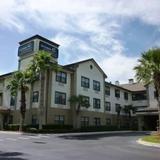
47 94
22 107
41 105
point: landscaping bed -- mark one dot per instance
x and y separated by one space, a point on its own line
152 138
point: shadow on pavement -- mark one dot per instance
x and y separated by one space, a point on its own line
91 136
11 156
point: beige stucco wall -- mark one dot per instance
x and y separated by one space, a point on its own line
84 69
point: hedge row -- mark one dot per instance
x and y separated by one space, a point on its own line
62 128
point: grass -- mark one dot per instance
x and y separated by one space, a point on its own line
152 138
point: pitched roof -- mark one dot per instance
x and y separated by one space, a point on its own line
116 86
39 37
134 87
87 60
7 74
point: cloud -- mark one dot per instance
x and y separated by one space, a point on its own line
119 67
84 29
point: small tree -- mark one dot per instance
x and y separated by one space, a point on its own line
77 102
148 71
19 81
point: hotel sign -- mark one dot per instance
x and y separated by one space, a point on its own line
26 48
49 48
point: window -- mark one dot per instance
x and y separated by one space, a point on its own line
84 121
107 90
35 96
118 107
108 121
96 103
155 94
61 77
85 82
12 101
142 95
125 95
117 93
10 119
107 106
97 121
34 120
1 99
85 101
60 98
96 85
59 119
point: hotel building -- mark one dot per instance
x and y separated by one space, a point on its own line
84 78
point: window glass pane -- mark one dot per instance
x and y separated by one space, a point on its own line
61 77
35 96
60 98
85 82
96 85
12 101
117 93
96 103
107 90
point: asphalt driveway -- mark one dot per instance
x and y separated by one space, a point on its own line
86 146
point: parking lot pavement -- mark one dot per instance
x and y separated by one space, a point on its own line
86 146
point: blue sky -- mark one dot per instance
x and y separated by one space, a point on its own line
113 32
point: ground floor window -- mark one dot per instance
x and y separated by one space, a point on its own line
108 121
97 121
84 121
59 119
34 120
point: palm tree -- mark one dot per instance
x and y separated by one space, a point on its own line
42 64
19 81
118 110
148 71
77 102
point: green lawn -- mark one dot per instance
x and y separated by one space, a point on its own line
152 138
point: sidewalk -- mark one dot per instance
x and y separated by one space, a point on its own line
150 144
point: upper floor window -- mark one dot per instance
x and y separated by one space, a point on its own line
84 82
85 100
96 103
118 107
61 77
107 90
35 96
125 95
155 94
12 101
60 98
59 119
96 85
142 95
117 93
1 99
107 106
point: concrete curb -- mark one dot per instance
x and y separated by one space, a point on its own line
150 144
11 132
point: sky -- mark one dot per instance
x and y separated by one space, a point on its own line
113 32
